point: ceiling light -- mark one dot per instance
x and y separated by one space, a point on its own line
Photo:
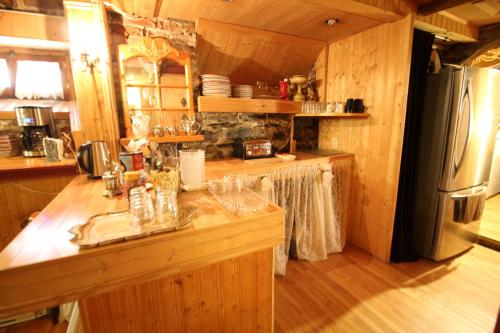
332 21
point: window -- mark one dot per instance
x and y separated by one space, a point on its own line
38 80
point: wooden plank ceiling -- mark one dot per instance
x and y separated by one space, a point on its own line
302 18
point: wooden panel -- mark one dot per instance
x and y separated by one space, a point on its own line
292 17
354 292
144 8
94 88
373 65
23 194
36 26
23 165
223 104
382 10
321 74
247 55
43 251
445 26
235 295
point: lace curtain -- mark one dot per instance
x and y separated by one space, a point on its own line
315 199
38 79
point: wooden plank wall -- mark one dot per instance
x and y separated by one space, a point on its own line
36 26
373 65
235 295
23 193
94 90
247 55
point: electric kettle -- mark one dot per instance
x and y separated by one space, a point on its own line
94 158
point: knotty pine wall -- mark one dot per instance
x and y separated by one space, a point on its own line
249 55
373 65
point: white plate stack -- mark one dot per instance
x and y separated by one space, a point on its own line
242 91
9 144
215 85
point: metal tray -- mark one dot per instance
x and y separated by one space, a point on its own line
115 227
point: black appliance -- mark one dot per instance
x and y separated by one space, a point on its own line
37 123
248 149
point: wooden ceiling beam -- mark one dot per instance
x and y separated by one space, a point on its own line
439 5
157 8
439 24
386 11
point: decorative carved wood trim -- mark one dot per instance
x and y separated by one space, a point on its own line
487 59
156 49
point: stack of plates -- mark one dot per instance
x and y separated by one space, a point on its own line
242 91
215 85
9 145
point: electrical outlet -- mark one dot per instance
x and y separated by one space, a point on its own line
334 143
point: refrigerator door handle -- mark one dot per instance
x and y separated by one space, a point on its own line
463 130
468 207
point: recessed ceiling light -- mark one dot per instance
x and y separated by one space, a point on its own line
332 21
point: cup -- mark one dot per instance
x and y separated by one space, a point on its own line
140 206
167 207
359 106
339 107
349 105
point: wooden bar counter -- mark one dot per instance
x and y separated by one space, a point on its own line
216 275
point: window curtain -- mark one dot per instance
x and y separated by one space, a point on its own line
38 80
4 76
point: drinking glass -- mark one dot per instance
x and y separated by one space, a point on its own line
140 206
167 207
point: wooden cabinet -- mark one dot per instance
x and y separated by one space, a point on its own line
156 79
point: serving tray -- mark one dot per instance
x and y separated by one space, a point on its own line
116 227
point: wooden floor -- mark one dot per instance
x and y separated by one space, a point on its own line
489 231
353 292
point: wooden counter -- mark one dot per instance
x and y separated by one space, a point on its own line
22 164
41 267
215 275
219 168
27 185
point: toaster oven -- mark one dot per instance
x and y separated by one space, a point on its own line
248 149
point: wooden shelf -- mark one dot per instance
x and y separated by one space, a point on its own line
153 85
169 139
227 104
158 109
11 115
335 115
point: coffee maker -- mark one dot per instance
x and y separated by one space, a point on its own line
37 123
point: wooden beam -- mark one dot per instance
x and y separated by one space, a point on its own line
387 11
34 26
438 5
157 8
439 24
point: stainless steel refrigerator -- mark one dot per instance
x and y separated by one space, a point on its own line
455 150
